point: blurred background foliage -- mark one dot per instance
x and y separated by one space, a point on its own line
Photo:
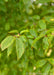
34 21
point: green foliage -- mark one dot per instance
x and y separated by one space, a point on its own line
26 37
19 47
7 42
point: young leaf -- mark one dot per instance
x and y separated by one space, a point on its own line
7 42
13 31
24 31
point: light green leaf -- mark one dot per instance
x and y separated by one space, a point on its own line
40 63
9 50
43 1
23 38
45 43
30 42
24 31
52 71
51 60
46 69
37 17
42 24
42 35
13 31
7 42
48 18
20 48
41 53
33 33
6 0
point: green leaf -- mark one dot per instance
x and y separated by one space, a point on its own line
48 18
7 42
24 31
6 0
9 50
33 33
42 35
7 26
30 42
52 71
40 63
51 60
42 24
20 48
13 31
37 17
23 38
41 53
45 43
43 1
46 69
